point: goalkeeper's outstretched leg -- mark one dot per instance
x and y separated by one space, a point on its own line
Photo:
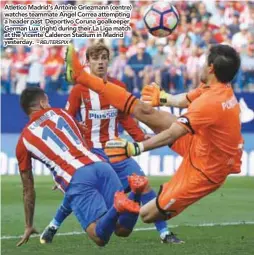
117 96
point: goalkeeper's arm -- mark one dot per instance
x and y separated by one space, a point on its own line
119 149
166 137
180 100
152 94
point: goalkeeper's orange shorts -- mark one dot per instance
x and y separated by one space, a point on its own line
187 186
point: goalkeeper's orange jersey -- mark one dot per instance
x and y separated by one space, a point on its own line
213 118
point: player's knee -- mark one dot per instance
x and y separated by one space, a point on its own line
97 240
145 217
146 108
90 230
100 242
148 212
122 232
142 109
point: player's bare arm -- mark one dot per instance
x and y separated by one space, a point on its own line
115 148
166 137
29 205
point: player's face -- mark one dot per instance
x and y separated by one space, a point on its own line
206 72
99 63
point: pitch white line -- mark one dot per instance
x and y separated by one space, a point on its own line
149 228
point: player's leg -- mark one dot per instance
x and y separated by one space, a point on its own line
126 221
186 187
162 206
117 96
86 202
154 119
126 168
108 184
62 213
89 205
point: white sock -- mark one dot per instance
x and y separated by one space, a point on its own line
163 235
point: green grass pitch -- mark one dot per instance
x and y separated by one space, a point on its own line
233 203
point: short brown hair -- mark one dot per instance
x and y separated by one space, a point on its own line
30 97
96 49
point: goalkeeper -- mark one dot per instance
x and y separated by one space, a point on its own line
208 136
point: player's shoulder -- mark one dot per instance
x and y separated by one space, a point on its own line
197 92
20 142
205 102
214 99
116 81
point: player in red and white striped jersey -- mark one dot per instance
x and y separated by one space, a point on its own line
101 120
53 137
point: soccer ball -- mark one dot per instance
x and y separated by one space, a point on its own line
161 19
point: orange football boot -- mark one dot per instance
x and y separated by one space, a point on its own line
123 204
137 183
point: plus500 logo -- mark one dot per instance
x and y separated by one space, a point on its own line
103 114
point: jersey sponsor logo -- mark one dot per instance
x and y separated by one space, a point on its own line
102 114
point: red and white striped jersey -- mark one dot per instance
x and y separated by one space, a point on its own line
53 137
100 118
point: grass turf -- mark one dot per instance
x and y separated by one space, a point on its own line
234 202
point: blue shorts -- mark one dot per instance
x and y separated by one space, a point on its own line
91 192
123 169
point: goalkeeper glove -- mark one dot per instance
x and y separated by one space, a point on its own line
152 94
120 149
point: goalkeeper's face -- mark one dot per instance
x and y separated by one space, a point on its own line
98 63
204 74
205 71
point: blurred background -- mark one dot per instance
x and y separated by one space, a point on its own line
138 59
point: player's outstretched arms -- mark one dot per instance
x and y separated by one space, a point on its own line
29 205
153 95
